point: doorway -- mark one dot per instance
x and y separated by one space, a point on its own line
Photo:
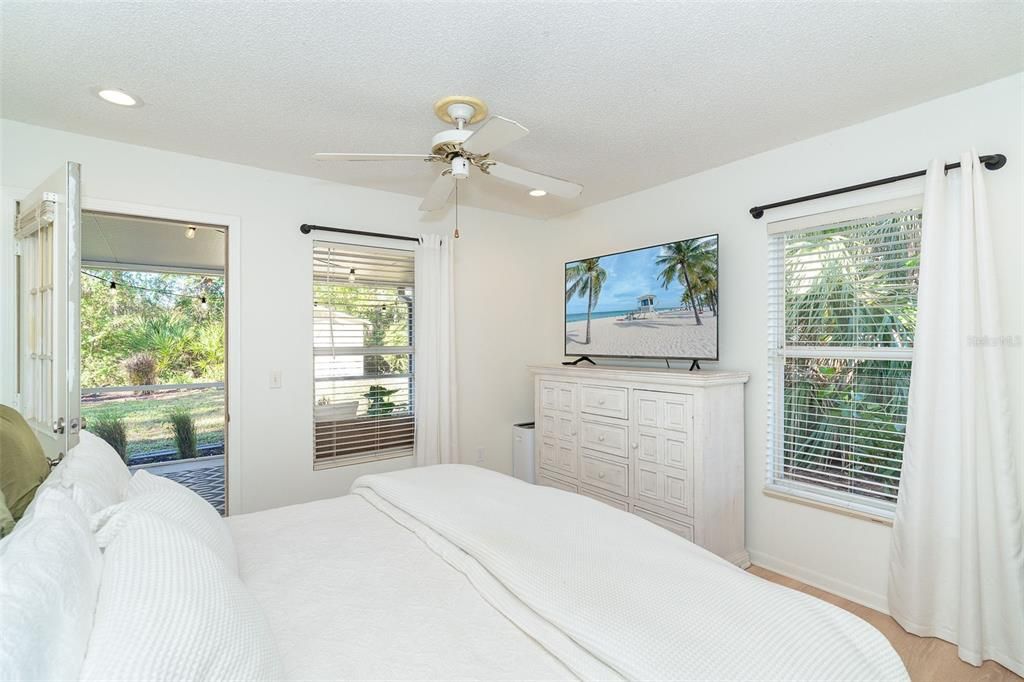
153 345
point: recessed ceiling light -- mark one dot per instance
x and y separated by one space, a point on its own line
537 193
119 97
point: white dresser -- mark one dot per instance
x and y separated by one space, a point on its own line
666 445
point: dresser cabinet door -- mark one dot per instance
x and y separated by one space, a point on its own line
558 456
557 395
662 439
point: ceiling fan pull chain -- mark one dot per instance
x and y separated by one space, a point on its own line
456 209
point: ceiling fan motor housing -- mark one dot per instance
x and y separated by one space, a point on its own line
449 142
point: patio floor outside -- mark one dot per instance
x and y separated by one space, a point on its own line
204 475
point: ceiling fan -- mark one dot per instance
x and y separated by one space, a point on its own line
459 149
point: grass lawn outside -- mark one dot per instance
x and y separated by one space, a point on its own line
146 416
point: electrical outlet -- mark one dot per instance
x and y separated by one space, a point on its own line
275 378
480 452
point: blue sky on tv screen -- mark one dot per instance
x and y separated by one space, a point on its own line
630 275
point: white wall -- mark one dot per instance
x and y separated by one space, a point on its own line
843 554
494 301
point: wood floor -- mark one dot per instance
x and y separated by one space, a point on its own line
927 659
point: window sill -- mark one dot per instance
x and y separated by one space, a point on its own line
334 463
821 502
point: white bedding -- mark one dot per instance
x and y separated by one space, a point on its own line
455 572
350 594
639 599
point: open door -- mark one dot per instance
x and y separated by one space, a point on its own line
48 255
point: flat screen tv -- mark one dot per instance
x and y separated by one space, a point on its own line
655 302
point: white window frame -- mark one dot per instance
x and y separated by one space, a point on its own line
779 352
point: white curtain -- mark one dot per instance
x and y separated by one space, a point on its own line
434 325
957 561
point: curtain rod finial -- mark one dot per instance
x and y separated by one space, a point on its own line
994 161
757 213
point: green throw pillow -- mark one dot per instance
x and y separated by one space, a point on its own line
6 520
23 464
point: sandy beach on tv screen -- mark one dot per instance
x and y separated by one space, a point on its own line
667 334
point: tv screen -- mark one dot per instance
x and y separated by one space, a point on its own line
656 302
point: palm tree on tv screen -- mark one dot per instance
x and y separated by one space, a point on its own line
585 278
680 262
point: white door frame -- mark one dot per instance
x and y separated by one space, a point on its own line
232 276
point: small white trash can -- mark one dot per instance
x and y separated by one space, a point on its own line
522 451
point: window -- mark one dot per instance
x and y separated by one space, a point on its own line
363 367
842 314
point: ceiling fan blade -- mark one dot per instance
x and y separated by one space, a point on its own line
437 195
342 156
551 185
496 132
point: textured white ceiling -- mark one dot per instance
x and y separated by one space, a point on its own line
124 241
618 96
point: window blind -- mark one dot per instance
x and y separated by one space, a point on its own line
842 311
363 363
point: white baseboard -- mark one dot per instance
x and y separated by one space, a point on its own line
840 588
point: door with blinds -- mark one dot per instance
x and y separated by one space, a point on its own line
47 243
364 391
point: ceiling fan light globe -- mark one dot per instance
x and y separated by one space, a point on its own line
460 168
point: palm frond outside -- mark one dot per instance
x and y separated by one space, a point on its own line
844 418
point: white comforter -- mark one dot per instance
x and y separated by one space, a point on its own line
351 595
611 595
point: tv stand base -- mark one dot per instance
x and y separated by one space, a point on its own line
582 358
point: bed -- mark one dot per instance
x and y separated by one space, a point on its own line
449 572
457 572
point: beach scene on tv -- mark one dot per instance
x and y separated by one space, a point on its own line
659 302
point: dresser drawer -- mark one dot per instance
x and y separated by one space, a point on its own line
662 485
612 439
557 395
604 474
558 456
607 499
676 526
551 482
607 401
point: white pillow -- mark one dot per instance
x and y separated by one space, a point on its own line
50 568
169 610
93 473
172 501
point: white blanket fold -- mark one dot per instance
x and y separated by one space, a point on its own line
612 595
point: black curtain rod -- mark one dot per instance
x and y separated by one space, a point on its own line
306 228
991 161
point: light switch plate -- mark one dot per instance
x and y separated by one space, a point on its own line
275 378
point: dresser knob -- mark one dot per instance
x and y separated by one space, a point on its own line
600 401
600 474
601 438
635 446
